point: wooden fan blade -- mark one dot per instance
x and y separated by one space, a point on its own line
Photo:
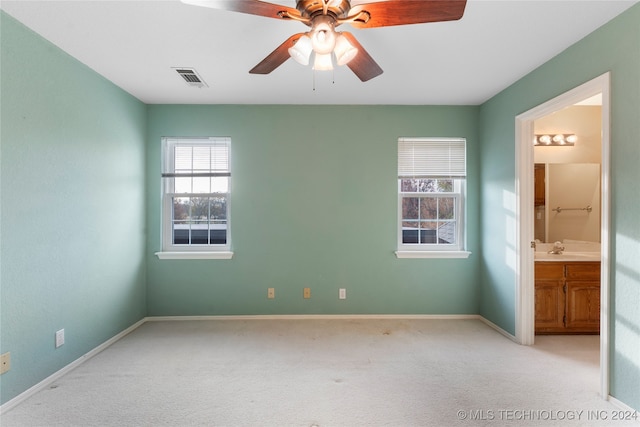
252 7
403 12
277 57
363 64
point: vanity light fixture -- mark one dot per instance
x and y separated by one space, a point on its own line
560 139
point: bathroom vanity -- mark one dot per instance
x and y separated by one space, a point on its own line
567 293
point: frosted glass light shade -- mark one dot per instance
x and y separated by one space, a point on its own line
323 38
323 62
301 51
344 50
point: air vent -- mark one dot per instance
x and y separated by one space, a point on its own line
191 77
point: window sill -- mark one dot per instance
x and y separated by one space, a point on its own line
432 254
195 255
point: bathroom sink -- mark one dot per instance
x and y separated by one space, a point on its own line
568 256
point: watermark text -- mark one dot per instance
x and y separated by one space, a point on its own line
525 415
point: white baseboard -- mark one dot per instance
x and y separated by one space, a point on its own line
625 408
318 317
499 329
53 377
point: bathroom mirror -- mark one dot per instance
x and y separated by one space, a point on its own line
568 207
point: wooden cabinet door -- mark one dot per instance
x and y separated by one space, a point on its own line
583 306
550 306
567 297
539 186
549 297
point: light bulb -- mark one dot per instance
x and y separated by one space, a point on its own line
545 139
323 36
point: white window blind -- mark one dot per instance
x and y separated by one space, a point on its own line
432 157
197 158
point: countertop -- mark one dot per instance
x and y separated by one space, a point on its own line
567 256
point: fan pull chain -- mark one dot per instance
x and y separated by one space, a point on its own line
333 78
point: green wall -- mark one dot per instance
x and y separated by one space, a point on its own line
313 204
614 47
72 208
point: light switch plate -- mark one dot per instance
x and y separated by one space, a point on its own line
60 338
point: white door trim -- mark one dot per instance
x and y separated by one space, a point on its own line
525 310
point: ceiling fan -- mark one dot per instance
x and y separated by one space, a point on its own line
323 16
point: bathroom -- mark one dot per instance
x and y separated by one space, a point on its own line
568 176
567 219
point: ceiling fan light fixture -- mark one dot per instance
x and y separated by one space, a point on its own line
301 51
323 62
323 16
344 50
323 36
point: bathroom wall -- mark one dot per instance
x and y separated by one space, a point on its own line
583 121
572 175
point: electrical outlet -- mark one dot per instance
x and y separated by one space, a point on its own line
271 293
342 293
5 362
60 338
306 293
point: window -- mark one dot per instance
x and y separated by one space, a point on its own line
195 184
431 193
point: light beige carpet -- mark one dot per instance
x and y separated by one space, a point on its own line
326 373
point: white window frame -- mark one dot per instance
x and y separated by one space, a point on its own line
191 251
421 167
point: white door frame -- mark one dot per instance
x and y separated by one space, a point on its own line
525 299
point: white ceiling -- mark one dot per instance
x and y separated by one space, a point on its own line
135 44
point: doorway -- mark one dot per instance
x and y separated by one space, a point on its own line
525 218
567 176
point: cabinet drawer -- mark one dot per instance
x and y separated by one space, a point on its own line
549 270
583 271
